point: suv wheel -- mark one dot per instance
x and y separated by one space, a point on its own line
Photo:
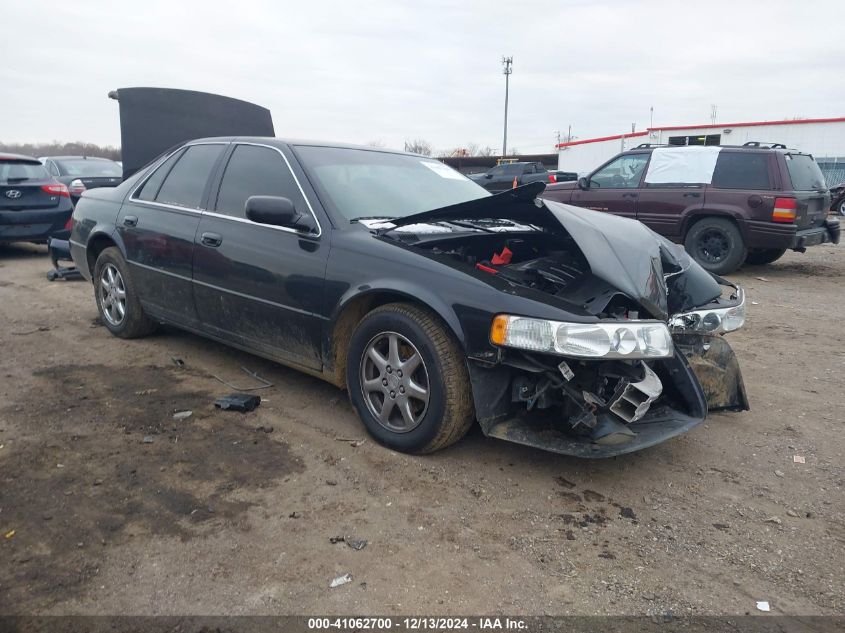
761 257
117 301
716 244
841 207
408 380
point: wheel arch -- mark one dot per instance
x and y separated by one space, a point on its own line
696 215
97 243
353 307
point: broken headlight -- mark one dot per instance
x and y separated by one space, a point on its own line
620 339
712 321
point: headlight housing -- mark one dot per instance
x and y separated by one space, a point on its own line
712 321
627 340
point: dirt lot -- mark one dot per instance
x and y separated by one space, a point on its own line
224 513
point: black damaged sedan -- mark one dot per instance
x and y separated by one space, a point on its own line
434 303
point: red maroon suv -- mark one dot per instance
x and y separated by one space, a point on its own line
727 205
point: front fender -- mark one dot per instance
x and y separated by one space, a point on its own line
413 293
716 367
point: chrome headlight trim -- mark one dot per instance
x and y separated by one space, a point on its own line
712 321
624 340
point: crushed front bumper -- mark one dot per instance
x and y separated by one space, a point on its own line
658 426
683 407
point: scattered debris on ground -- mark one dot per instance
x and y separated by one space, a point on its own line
242 402
340 580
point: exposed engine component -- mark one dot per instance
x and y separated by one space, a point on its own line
590 392
636 398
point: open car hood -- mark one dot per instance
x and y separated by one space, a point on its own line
153 120
622 252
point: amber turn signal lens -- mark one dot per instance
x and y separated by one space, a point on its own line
499 329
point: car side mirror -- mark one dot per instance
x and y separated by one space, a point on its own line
583 183
273 210
488 176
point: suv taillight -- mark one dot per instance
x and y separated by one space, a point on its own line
56 190
69 224
552 178
784 211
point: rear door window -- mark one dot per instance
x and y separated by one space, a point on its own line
185 184
742 170
150 189
804 172
255 171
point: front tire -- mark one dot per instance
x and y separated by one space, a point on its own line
764 256
117 300
407 379
716 244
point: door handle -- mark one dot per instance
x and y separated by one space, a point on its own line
130 220
692 194
212 239
629 195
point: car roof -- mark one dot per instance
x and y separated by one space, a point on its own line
5 156
279 142
76 158
753 146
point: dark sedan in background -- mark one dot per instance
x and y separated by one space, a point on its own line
33 204
80 173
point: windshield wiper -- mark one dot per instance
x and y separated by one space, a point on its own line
21 179
372 217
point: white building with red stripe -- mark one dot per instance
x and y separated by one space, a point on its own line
823 138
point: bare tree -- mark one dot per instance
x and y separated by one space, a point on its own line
419 146
58 148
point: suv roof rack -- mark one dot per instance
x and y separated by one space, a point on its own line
648 145
764 144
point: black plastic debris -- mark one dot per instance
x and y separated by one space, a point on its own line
238 402
355 543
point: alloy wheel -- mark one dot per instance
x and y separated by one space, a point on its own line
394 382
112 295
713 246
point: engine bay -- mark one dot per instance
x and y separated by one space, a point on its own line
546 262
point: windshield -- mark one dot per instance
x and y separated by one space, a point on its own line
804 172
359 183
90 168
13 171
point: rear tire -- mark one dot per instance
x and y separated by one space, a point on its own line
117 300
424 408
764 256
716 244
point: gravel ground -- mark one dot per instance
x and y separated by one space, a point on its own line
110 506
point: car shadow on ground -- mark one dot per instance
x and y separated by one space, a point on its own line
17 250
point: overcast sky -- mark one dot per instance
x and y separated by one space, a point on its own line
387 71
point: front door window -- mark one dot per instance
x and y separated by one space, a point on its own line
623 173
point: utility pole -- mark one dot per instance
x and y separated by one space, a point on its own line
507 70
